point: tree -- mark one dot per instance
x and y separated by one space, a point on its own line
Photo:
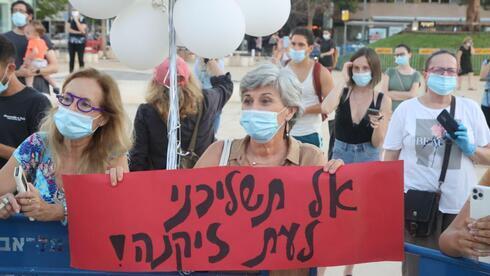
308 9
473 15
48 8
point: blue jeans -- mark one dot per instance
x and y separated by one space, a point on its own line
313 139
355 153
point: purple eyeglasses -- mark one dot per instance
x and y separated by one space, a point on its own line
83 104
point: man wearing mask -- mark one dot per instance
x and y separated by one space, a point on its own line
22 14
327 49
21 107
316 83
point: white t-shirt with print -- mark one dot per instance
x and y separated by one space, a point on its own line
414 130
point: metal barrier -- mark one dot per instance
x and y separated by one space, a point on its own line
42 248
434 263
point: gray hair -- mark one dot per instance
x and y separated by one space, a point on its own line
278 78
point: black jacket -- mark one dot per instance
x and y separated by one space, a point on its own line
150 130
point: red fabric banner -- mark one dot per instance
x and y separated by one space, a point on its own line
236 218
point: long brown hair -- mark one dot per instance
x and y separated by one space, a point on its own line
374 65
108 142
190 98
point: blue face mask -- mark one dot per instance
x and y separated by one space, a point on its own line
19 19
362 79
297 56
73 125
262 126
442 85
4 87
402 60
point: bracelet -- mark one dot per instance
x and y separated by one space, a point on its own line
65 213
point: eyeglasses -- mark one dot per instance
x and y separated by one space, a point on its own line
83 104
442 70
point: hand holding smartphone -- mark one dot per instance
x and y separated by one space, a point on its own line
448 122
480 207
21 182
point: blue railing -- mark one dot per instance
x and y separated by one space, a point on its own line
41 248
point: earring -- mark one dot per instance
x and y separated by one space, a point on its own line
286 130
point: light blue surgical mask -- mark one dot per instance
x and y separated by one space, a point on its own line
19 19
4 87
362 79
297 56
442 85
402 60
261 126
73 125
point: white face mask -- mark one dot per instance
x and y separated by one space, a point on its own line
326 36
75 13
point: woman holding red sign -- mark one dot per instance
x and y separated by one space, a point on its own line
271 102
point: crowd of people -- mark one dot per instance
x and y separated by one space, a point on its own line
373 115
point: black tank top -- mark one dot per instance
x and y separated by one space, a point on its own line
348 132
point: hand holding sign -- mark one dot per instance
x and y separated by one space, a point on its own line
237 218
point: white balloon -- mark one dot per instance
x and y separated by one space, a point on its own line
211 28
264 17
101 9
139 36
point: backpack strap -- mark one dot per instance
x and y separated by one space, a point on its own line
447 148
192 145
317 84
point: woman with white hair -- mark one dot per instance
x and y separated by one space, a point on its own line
271 102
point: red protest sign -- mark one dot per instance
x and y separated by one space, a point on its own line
236 218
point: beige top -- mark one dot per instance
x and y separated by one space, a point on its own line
299 154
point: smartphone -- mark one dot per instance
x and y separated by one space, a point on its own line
285 41
480 207
21 182
373 111
448 122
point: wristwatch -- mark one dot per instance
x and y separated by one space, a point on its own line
38 72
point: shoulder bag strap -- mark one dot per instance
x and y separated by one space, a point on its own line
447 149
192 145
225 154
400 79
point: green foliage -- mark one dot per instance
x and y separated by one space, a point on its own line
434 40
48 8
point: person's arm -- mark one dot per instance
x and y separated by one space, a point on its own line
332 100
485 71
380 123
82 27
52 67
7 181
6 151
140 152
211 157
472 49
391 155
458 58
327 85
482 155
327 53
404 95
222 86
72 31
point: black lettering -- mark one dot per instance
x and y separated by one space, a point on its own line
117 242
220 193
178 251
316 205
165 254
175 193
270 234
203 207
232 205
335 196
276 187
309 239
198 240
183 213
246 192
224 248
145 238
290 235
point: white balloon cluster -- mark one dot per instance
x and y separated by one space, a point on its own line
209 28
